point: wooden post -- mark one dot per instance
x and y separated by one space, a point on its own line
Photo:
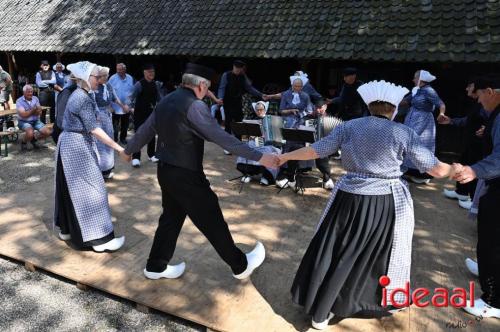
82 287
319 75
12 71
29 266
59 56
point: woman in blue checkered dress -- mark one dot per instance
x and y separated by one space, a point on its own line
104 96
422 101
366 229
82 210
295 106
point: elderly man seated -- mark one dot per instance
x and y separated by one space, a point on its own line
28 116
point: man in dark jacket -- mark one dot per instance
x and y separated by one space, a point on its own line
350 104
183 122
62 100
145 96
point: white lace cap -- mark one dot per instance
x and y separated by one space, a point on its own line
264 103
425 76
303 78
82 70
382 91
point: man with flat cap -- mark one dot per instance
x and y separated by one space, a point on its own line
351 106
233 84
45 80
486 202
145 95
183 122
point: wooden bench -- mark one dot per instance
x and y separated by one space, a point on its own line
6 137
11 136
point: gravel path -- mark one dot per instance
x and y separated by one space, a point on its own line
36 301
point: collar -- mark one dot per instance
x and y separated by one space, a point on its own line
188 89
380 116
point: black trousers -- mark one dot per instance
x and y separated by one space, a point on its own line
120 125
248 169
151 145
56 132
46 97
233 113
292 165
188 193
488 246
324 167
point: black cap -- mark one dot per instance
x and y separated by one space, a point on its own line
320 103
239 63
45 62
349 71
484 82
200 70
148 66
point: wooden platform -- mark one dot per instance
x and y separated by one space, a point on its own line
207 293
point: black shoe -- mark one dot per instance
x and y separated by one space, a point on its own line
24 146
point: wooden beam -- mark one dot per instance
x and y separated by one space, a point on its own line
29 266
59 56
82 287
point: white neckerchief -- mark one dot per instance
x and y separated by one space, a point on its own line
296 98
105 93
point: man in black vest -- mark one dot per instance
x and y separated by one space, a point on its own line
145 96
45 80
60 107
183 122
233 84
487 171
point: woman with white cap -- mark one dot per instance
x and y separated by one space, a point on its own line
82 210
422 101
295 105
366 229
250 168
104 96
60 77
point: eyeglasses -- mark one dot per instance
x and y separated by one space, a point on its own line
96 76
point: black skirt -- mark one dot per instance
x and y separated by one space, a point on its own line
350 251
66 218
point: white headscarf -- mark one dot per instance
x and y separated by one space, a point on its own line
264 103
301 76
103 70
424 76
82 70
54 66
382 91
304 80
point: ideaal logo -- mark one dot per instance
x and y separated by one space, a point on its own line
423 297
462 324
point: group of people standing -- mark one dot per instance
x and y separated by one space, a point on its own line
364 232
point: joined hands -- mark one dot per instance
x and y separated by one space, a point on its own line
463 174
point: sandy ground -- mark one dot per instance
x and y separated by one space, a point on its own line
443 237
